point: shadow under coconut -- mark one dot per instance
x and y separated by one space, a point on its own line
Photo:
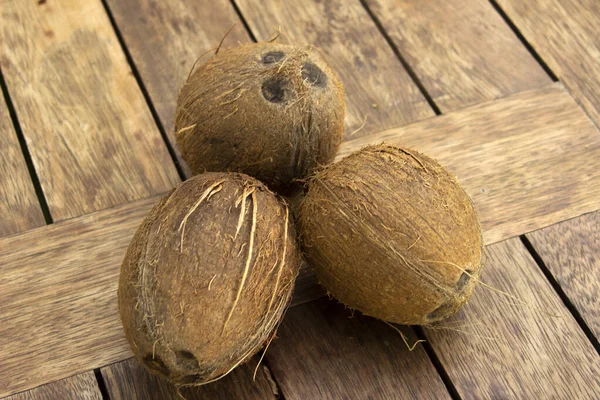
129 380
324 348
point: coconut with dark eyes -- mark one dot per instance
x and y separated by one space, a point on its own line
207 277
391 233
269 110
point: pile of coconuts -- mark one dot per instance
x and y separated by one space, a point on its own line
210 271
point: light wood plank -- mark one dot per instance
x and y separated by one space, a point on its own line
527 161
128 380
91 136
461 50
165 39
565 34
78 387
571 251
528 355
19 206
59 306
377 85
58 286
325 352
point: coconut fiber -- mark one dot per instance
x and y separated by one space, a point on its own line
269 110
392 234
207 277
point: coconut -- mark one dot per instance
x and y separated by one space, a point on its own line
207 277
392 234
269 110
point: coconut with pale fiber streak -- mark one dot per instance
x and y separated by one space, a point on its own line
269 110
392 234
207 277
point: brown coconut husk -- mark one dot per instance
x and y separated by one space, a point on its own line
269 110
392 234
207 277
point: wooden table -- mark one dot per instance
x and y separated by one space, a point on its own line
505 93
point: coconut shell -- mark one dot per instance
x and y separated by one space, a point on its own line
207 277
391 233
269 110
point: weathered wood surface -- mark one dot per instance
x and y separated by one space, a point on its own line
19 206
512 351
58 295
377 85
78 387
461 50
527 161
571 251
165 39
128 380
565 34
323 351
92 138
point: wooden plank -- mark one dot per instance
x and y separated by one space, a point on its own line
58 283
527 161
571 251
461 50
78 387
526 354
165 39
565 34
59 307
325 352
377 85
19 206
91 136
128 380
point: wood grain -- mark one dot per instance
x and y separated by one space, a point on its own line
58 295
571 251
527 354
78 387
58 283
325 352
19 206
377 86
128 380
527 161
92 138
565 34
461 50
166 38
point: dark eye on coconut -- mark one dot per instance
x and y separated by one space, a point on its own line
314 75
273 90
272 57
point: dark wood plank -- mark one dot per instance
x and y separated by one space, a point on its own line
128 380
565 34
378 87
78 387
166 38
527 354
19 206
325 352
58 283
571 251
461 50
91 136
